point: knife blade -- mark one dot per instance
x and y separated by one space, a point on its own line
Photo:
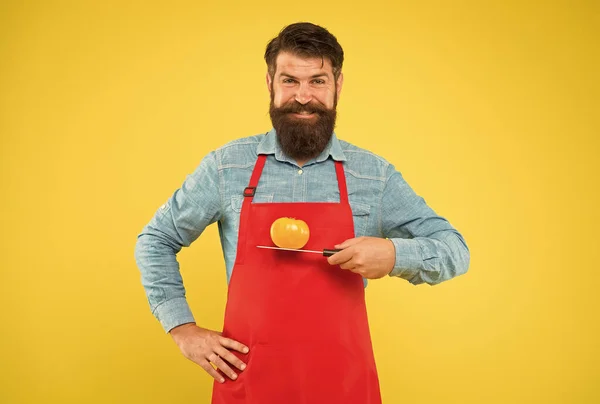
326 252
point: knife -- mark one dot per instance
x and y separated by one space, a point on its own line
325 252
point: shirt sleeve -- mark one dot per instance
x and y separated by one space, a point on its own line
428 249
177 224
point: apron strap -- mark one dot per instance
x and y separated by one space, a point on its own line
339 171
249 192
258 168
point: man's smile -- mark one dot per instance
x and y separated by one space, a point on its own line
303 115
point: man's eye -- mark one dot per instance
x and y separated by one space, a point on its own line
319 81
287 81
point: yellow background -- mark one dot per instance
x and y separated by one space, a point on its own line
489 109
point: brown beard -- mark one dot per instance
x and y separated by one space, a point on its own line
303 139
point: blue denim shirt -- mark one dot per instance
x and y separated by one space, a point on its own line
428 249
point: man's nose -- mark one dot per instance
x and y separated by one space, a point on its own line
303 95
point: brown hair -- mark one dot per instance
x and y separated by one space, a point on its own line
308 41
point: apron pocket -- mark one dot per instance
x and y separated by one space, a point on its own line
271 376
310 372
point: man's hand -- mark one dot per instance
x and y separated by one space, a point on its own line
371 257
204 347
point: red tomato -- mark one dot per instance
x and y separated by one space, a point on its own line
287 232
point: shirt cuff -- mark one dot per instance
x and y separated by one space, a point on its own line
409 260
174 312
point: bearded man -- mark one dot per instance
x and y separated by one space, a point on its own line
295 328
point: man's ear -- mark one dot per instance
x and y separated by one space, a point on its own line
338 85
269 82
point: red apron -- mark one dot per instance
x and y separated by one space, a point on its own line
304 320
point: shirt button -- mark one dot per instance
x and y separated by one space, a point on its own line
300 172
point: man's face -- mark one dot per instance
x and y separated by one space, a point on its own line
304 96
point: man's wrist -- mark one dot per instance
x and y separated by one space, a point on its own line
181 328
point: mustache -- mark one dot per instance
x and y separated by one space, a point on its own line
294 107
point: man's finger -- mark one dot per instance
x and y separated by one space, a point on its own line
231 358
233 344
341 257
204 364
348 243
221 365
350 265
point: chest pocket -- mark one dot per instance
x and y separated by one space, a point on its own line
360 215
238 200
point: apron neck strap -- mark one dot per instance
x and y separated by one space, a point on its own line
339 171
258 168
260 164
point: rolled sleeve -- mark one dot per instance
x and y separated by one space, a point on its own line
409 260
174 312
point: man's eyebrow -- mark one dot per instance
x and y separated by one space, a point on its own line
314 76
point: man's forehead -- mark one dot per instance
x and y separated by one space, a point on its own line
288 63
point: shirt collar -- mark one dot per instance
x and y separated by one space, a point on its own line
270 145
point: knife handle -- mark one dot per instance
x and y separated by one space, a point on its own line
329 253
